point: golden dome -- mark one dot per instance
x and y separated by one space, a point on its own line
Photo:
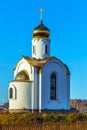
22 75
41 31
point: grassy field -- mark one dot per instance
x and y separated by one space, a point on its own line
28 118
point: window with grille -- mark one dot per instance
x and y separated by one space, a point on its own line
53 86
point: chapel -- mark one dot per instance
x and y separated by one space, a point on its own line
41 82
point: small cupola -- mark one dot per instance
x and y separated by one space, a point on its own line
22 75
41 40
41 31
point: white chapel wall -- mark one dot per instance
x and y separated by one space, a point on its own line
63 97
23 93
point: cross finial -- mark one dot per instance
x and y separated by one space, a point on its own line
41 10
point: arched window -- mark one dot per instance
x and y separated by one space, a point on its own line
11 93
34 49
45 49
53 86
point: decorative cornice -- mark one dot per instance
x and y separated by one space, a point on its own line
30 81
39 63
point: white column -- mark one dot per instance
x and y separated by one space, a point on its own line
40 78
33 91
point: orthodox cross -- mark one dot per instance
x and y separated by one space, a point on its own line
41 10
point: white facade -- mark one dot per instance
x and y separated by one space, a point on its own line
62 100
22 95
40 48
40 82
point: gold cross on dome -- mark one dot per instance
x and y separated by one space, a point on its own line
41 10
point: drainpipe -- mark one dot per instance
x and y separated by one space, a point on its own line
40 88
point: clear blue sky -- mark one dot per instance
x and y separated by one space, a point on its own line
67 21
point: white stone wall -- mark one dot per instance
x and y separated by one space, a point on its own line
36 94
22 98
63 86
39 48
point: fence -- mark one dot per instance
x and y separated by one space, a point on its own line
47 126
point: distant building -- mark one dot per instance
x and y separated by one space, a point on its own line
79 104
41 81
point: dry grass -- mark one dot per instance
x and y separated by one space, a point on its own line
29 118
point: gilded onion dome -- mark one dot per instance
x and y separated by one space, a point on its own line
41 31
22 75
